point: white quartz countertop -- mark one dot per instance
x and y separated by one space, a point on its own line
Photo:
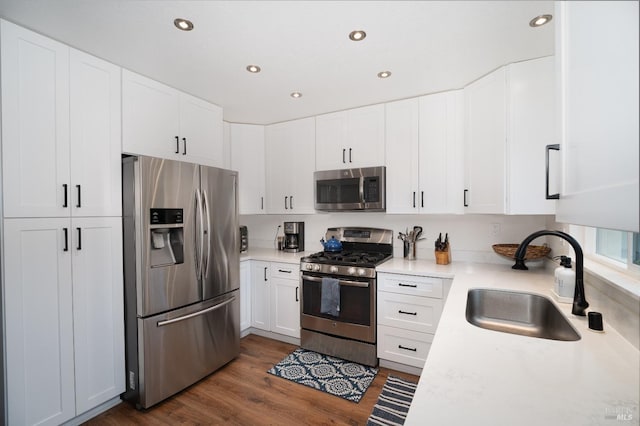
484 377
272 255
474 376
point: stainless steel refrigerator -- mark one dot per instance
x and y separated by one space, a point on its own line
181 261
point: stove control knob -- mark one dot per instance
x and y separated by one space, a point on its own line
309 266
316 268
333 269
352 271
361 271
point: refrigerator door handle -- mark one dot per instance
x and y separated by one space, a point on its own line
196 314
206 233
198 240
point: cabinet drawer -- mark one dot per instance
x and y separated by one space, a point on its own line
410 284
285 270
403 346
409 312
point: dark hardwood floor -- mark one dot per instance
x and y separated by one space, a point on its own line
243 393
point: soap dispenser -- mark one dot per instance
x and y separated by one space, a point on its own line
564 278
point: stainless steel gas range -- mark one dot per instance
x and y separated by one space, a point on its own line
338 304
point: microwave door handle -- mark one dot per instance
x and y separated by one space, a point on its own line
206 233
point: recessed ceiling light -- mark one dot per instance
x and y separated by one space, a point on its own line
384 74
254 69
539 21
183 24
296 94
357 35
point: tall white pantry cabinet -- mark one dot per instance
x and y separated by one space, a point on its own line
62 229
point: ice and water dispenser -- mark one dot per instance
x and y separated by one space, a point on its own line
167 237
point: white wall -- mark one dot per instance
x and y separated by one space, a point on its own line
470 236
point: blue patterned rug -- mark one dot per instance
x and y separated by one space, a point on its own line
393 403
336 376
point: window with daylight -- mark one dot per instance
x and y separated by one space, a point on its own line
618 248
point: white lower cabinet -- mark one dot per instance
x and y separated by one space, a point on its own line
275 297
409 309
245 295
63 317
285 299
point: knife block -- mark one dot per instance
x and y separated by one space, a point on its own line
443 257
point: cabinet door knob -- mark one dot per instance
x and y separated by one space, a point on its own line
422 199
177 145
184 145
414 199
350 155
66 239
464 198
297 299
265 273
291 202
285 203
343 153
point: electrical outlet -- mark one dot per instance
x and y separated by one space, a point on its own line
495 229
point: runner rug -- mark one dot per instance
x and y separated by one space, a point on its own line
393 403
335 376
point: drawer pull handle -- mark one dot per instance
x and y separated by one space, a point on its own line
407 349
408 285
407 313
284 270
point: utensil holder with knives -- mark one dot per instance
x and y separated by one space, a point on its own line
442 253
410 239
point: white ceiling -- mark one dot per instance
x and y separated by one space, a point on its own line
429 46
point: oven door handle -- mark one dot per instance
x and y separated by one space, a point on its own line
341 282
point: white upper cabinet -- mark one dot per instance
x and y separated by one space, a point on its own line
248 158
440 154
201 130
531 120
60 129
597 72
160 121
95 137
425 162
509 119
351 139
290 159
485 143
402 140
35 124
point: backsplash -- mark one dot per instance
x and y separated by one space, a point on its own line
470 236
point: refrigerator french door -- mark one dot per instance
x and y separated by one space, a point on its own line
182 279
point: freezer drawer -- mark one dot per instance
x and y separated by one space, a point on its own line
179 348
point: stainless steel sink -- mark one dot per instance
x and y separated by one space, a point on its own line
518 313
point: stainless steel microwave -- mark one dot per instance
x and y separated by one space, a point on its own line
351 189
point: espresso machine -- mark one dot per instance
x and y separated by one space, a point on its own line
293 236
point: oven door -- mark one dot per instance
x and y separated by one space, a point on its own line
357 316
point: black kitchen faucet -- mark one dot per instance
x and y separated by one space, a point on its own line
580 303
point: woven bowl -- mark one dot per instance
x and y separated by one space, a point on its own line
533 252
